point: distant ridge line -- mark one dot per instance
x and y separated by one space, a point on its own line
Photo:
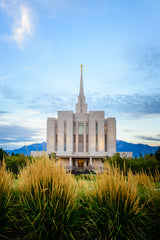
122 146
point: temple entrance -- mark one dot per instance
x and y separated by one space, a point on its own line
80 163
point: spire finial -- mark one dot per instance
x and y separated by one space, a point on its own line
81 67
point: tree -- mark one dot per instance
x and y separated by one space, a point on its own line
16 162
2 154
157 154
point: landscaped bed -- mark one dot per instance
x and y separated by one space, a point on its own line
45 202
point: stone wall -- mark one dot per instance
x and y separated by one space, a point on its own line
126 154
96 116
51 135
38 153
111 135
65 116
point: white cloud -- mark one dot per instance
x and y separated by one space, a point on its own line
22 26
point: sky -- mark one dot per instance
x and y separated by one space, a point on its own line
43 44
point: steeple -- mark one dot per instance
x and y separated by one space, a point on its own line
81 106
81 91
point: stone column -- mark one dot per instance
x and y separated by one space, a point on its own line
90 161
70 163
76 136
84 149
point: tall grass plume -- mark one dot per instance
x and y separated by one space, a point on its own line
113 206
6 181
47 200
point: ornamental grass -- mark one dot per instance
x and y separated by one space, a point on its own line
45 202
47 199
6 181
112 206
151 194
153 214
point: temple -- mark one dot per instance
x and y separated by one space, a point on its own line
81 139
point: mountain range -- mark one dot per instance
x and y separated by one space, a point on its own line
122 146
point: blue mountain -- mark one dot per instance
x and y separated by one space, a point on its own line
137 149
122 146
26 150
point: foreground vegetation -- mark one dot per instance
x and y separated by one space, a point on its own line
43 202
147 163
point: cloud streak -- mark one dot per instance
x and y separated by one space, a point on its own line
134 105
22 26
17 140
147 61
149 138
14 136
3 112
15 133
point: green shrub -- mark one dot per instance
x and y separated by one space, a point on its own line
148 163
157 154
15 163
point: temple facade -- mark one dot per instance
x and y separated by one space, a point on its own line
81 139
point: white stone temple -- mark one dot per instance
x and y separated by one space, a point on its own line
81 139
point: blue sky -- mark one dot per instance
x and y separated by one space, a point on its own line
43 43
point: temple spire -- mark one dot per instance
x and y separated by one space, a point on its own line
81 91
81 106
